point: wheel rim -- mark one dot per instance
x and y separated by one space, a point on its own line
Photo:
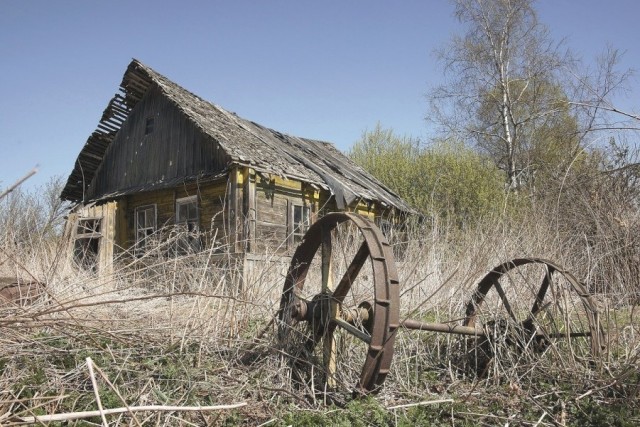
327 331
538 309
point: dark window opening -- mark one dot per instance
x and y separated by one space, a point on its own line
85 253
148 128
87 244
188 225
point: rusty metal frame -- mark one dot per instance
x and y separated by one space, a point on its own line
491 281
325 312
386 300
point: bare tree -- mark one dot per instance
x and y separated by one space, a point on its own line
592 93
30 216
503 83
504 89
521 97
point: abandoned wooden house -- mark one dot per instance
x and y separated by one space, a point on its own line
162 157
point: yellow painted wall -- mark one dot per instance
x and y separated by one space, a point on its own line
262 207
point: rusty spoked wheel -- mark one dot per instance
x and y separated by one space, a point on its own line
530 309
339 310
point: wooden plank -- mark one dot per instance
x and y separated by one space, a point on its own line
249 208
270 239
274 214
231 204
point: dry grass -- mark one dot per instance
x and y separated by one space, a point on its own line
177 331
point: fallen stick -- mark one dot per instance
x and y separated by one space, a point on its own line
423 403
96 392
115 390
149 408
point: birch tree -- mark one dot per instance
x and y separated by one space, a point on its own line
518 95
502 82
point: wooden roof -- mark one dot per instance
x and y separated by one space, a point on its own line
246 143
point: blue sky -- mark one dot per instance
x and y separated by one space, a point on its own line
327 70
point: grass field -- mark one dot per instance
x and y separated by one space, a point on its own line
175 343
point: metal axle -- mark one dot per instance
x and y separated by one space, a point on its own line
442 327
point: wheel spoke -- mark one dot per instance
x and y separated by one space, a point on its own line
351 273
329 348
538 304
362 335
504 299
546 282
327 267
330 358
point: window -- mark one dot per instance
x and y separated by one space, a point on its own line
300 222
145 226
88 227
187 212
87 243
148 126
187 222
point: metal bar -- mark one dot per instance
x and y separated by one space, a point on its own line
351 273
504 299
352 330
442 327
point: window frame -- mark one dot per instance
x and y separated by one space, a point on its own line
144 233
189 239
89 227
86 246
299 228
193 224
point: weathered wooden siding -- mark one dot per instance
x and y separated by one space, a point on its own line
274 200
249 210
211 202
175 149
246 213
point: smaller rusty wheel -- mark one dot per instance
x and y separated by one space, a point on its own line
338 335
531 308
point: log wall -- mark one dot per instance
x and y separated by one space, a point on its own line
211 197
246 213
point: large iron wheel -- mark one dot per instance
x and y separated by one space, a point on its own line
531 307
339 337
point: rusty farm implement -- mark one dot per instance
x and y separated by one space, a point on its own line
340 336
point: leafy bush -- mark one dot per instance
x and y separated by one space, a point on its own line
446 180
